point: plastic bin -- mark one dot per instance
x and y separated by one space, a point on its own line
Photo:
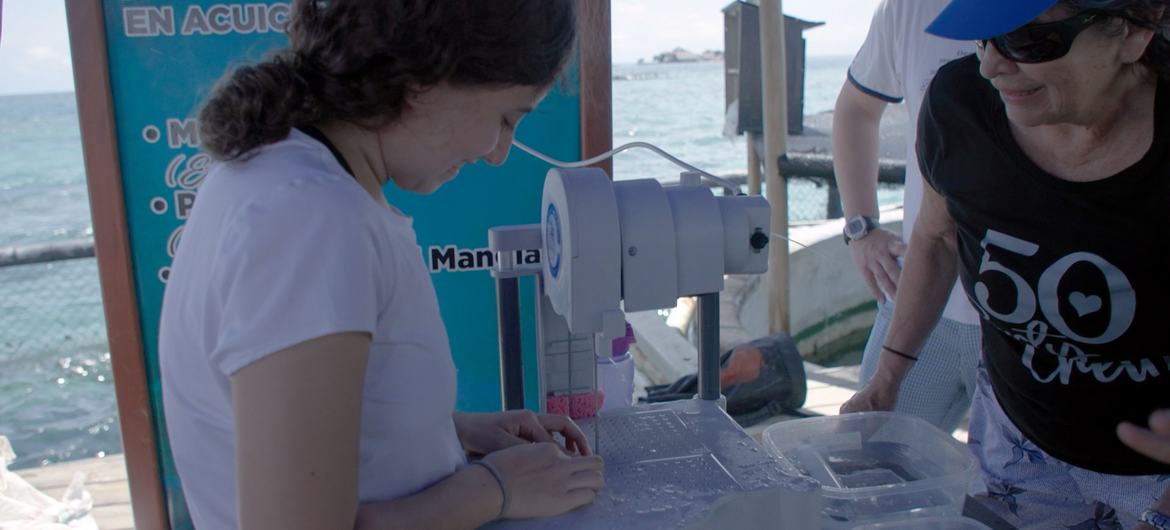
875 467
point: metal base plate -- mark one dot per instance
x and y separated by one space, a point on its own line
666 465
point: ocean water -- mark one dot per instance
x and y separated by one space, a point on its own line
680 108
56 389
42 177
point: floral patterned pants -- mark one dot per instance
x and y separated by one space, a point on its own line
1031 489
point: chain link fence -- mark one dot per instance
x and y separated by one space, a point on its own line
56 380
812 200
812 188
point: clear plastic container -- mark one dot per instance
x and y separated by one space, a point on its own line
876 467
615 379
929 523
615 375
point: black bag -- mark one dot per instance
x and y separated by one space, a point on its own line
780 388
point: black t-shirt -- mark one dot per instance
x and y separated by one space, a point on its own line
1072 279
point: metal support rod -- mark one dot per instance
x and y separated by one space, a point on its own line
46 252
709 347
511 358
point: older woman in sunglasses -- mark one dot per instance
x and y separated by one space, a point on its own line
1047 156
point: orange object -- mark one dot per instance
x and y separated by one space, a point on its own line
743 366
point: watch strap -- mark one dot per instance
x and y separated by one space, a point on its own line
871 224
1156 519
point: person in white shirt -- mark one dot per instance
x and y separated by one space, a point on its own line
895 65
306 374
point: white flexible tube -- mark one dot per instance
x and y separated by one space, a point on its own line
729 186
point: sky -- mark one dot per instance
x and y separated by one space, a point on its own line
34 47
645 28
34 42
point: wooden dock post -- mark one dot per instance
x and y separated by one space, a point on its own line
775 146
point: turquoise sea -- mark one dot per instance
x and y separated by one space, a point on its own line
56 389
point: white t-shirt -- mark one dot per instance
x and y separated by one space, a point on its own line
282 248
896 64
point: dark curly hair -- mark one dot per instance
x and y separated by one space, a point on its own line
359 60
1149 14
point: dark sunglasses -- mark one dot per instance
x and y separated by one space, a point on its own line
1040 43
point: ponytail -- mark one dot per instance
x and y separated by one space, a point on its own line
255 105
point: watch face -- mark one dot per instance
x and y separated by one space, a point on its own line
856 226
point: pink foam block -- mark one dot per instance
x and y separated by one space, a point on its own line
583 405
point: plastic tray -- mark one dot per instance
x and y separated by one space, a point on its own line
667 465
875 467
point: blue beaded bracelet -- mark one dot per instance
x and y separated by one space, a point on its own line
1156 519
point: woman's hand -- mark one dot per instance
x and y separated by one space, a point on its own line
880 393
876 256
1153 442
487 433
540 480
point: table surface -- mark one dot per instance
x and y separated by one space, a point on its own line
667 464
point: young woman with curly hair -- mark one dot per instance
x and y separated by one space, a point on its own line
306 372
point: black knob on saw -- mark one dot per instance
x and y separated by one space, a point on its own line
759 241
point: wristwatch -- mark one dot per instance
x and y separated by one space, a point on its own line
859 226
1156 519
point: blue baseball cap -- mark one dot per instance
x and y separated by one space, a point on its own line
984 19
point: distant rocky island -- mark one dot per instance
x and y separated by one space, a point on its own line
682 55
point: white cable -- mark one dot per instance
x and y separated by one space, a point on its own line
798 243
728 185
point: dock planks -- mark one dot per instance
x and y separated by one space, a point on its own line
106 482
